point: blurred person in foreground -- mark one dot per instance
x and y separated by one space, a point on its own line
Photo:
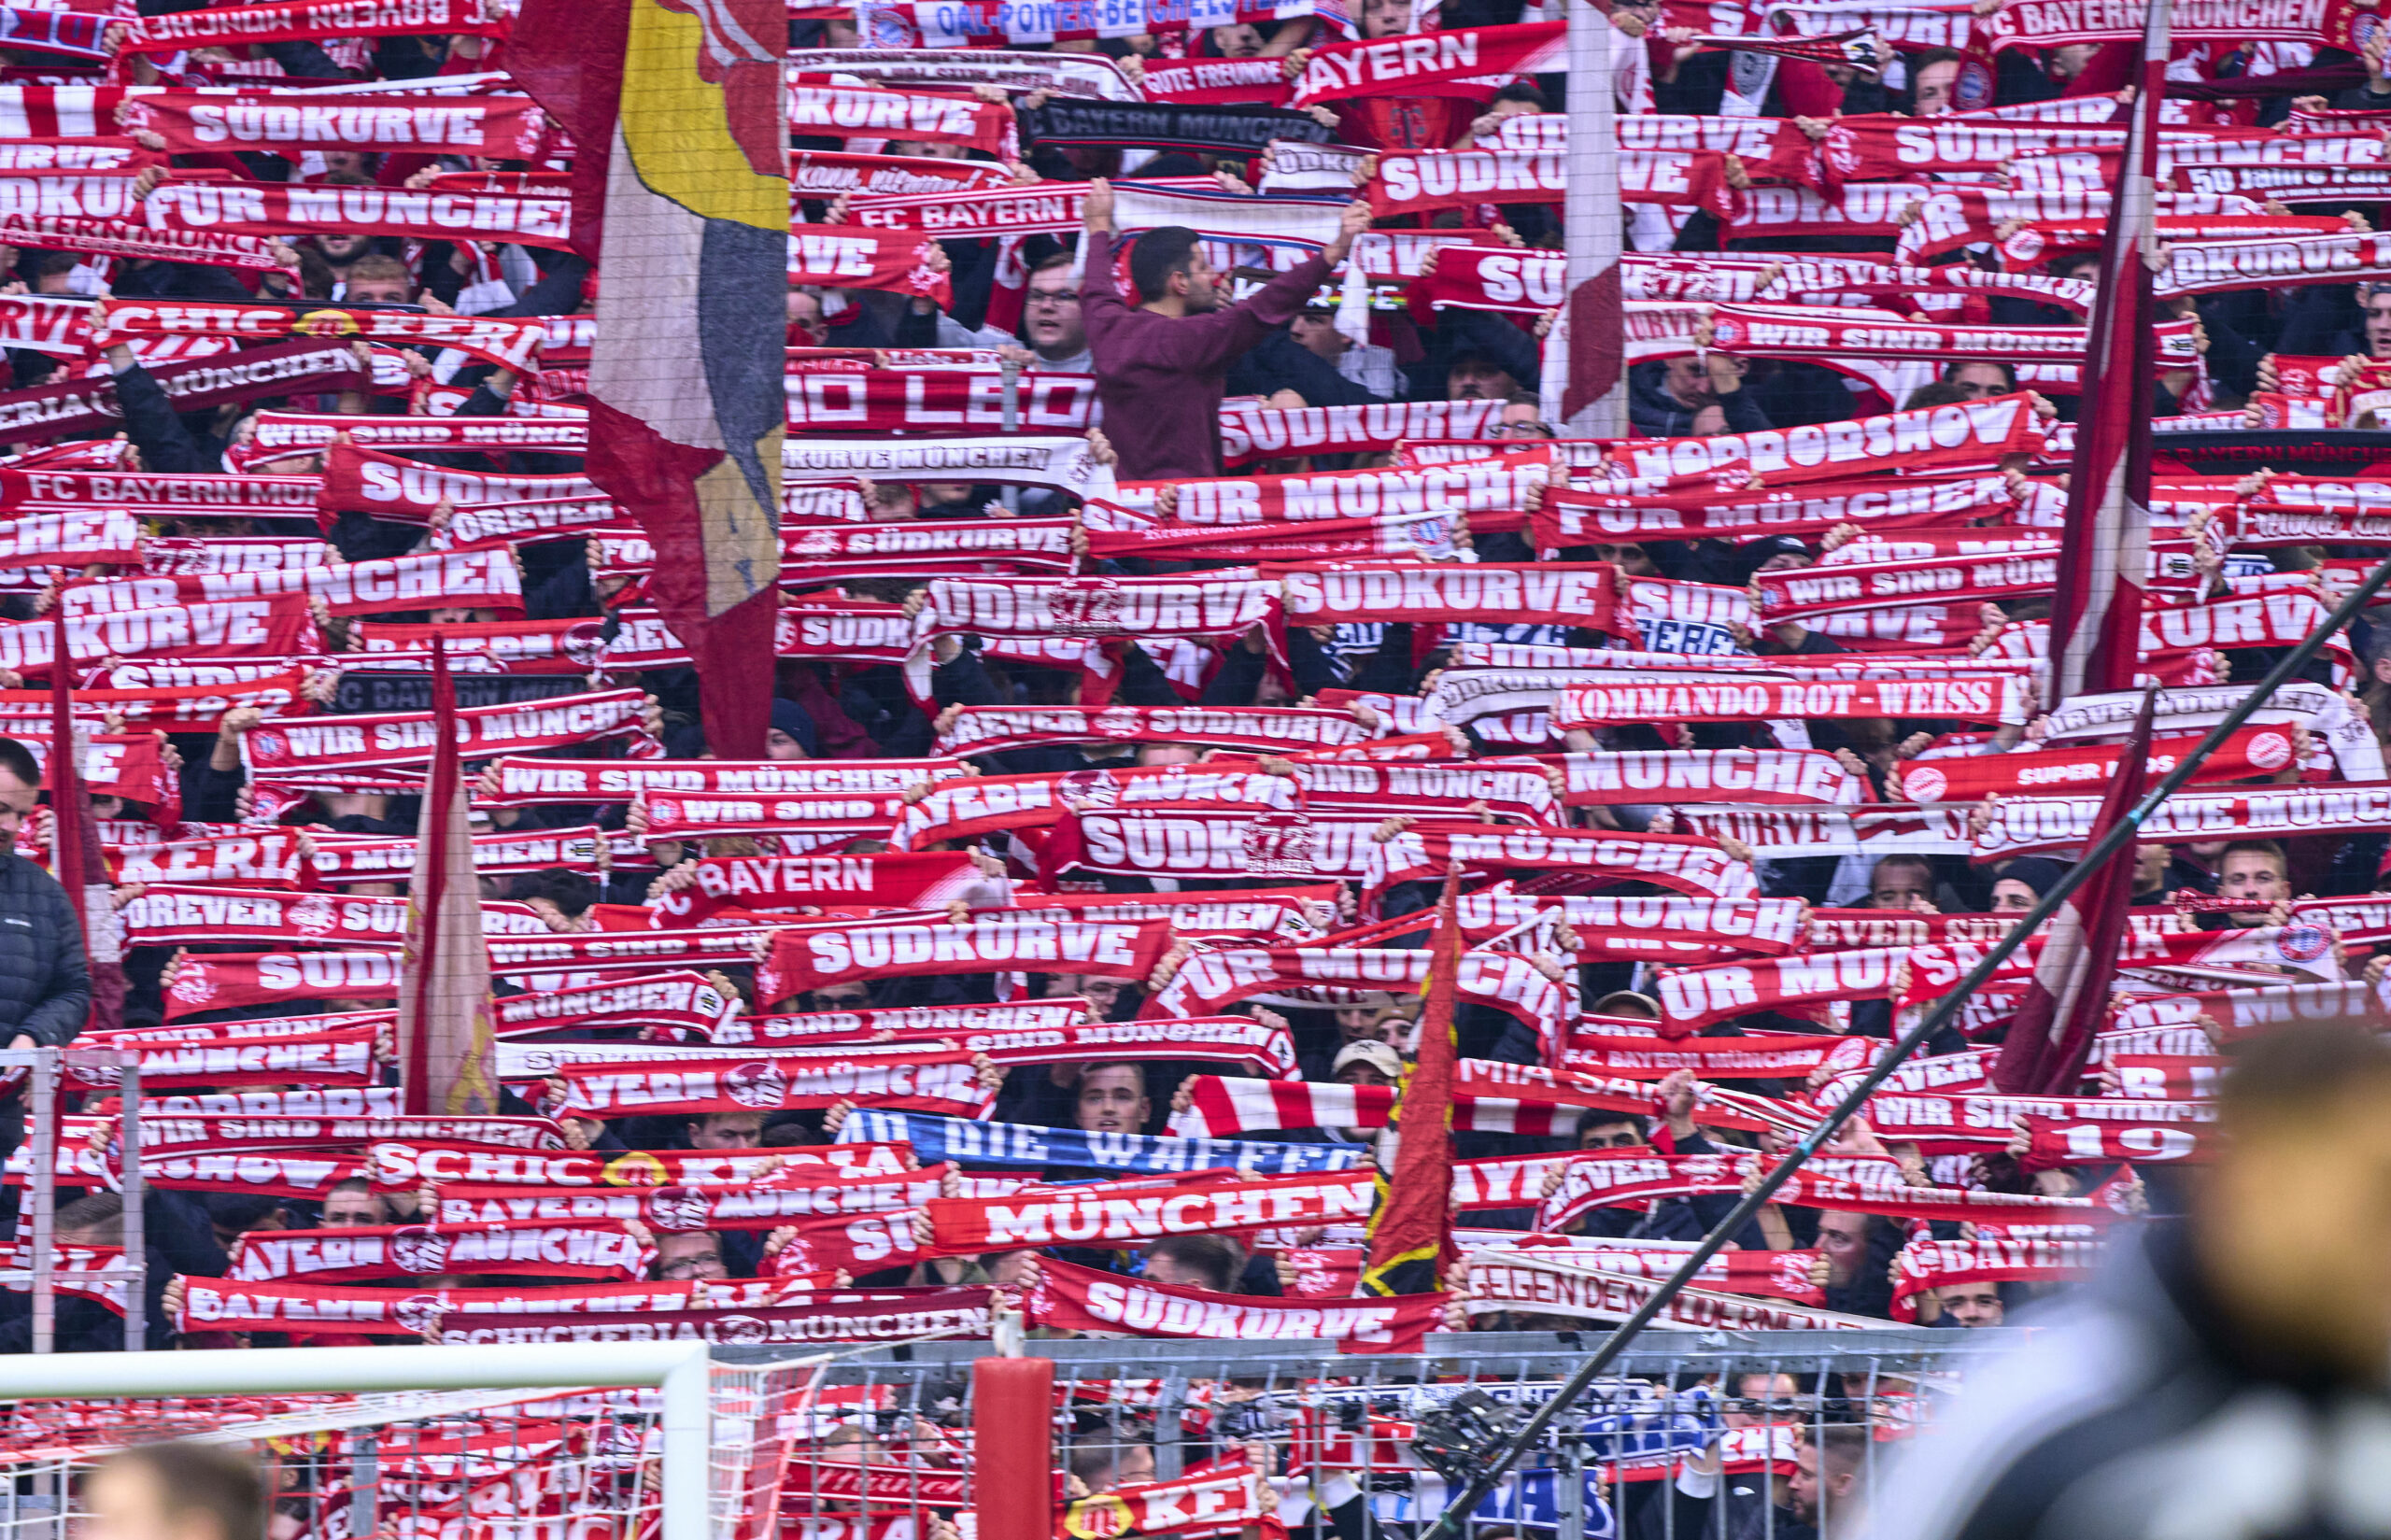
176 1491
2226 1375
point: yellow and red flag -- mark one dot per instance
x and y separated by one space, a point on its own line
678 114
1412 1239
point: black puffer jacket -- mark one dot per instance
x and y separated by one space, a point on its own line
45 989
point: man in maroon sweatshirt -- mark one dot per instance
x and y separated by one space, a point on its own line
1159 366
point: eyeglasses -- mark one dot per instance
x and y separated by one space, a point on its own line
1066 298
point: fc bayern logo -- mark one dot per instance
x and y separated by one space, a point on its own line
756 1084
1924 784
2269 750
314 915
1973 87
2304 943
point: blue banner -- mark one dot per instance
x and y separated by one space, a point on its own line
961 1139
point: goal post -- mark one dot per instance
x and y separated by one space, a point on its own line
679 1372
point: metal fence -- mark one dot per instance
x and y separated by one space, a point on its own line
588 1442
1698 1435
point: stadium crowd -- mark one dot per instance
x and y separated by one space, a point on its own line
1184 568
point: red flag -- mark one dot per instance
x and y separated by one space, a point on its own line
678 117
1412 1239
2105 554
2067 1000
446 1042
77 861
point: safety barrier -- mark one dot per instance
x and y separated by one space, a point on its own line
1156 1435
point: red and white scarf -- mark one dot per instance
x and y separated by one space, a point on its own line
864 256
972 807
277 626
1267 729
196 122
213 1305
1413 181
1063 462
1488 1095
944 1083
1098 606
478 578
279 1174
1974 434
807 958
891 880
1083 1299
408 738
1924 1265
169 914
399 1165
371 859
1585 594
179 495
1210 842
1142 1209
1305 977
1964 1120
526 782
2025 824
760 1205
904 115
311 433
277 208
1458 61
308 21
1707 775
1564 1285
1478 485
400 1250
1995 700
223 980
826 174
2052 1142
682 1001
542 956
1802 332
1648 920
1251 431
701 818
1217 82
89 404
410 491
842 552
1680 863
2250 752
899 1316
507 344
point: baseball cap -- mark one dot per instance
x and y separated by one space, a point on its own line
1378 1055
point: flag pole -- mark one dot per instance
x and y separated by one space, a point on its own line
2120 836
425 897
66 804
2104 546
1587 398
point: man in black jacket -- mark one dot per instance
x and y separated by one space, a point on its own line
45 990
2228 1376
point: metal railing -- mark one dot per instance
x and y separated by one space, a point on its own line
592 1441
1691 1434
45 1070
